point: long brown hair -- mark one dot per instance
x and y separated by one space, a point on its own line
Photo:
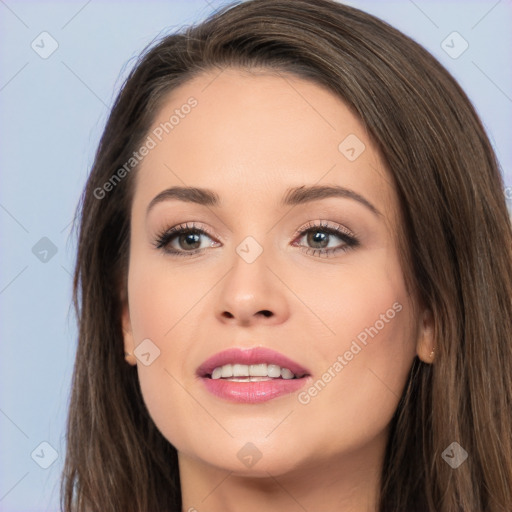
455 240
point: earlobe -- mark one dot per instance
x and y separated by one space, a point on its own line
129 345
425 346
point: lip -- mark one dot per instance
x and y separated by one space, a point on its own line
251 392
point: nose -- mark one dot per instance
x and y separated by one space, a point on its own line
252 293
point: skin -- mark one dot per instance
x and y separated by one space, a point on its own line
251 136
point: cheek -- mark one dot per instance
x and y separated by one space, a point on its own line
364 364
161 298
365 301
163 309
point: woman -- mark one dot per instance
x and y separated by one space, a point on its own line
336 336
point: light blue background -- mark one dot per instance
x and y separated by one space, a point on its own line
52 114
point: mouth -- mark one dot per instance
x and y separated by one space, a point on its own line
251 375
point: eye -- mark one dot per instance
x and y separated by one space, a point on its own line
185 239
185 236
320 236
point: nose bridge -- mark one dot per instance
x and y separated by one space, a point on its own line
248 278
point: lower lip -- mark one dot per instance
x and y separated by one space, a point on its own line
253 392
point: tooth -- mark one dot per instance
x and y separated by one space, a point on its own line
217 373
274 370
227 370
250 379
286 374
240 370
258 370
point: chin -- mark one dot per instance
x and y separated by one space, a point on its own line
256 457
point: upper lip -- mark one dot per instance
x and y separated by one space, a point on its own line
256 355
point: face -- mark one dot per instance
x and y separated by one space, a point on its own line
316 278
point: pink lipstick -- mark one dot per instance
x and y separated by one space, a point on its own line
251 375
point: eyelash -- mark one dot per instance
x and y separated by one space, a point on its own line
164 238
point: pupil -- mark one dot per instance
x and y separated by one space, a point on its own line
191 237
318 239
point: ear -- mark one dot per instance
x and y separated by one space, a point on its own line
425 345
128 340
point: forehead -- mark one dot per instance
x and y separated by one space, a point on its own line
251 135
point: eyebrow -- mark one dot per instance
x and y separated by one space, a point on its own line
292 197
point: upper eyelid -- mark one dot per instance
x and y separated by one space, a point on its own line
337 227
